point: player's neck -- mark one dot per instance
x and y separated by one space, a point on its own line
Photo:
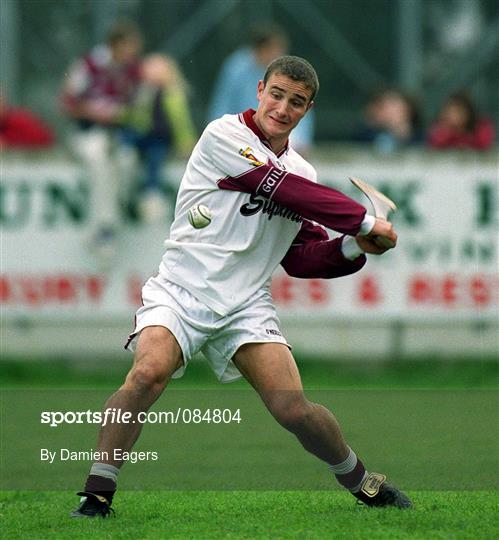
276 143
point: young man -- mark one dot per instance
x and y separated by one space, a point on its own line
234 88
212 291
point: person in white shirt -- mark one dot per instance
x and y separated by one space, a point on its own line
212 292
234 88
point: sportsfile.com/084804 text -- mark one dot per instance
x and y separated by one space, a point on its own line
118 416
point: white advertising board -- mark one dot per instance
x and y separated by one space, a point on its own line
444 267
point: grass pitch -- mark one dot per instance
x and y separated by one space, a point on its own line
431 427
259 515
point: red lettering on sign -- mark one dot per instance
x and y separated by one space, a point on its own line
34 290
449 290
5 290
95 287
67 289
289 291
479 291
282 290
29 291
452 291
318 290
369 292
419 289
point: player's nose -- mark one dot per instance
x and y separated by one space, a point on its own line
282 108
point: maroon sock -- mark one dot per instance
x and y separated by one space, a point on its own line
352 479
101 486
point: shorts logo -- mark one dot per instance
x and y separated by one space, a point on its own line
248 154
273 332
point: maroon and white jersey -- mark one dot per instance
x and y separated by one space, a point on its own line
262 207
96 78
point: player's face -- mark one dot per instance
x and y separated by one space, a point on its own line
282 104
127 50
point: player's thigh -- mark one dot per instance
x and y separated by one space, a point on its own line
268 366
158 355
271 369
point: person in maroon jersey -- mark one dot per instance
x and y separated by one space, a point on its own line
95 90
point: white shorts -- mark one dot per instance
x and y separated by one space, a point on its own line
198 328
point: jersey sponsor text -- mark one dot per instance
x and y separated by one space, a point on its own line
257 203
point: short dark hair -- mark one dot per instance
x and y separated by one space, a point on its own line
264 35
123 30
463 100
295 68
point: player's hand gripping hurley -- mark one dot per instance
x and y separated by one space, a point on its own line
382 206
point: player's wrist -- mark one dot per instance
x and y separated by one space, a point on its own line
367 225
350 248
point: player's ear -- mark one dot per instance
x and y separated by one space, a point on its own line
259 89
310 105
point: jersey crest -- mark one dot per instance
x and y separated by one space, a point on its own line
248 154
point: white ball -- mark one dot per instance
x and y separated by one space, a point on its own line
199 216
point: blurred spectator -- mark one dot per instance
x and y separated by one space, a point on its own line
459 126
20 128
157 120
235 87
391 121
94 92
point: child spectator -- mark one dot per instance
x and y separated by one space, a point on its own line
157 121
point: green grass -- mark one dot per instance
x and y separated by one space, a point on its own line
393 373
430 426
423 439
249 514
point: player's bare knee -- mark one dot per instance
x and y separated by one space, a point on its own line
147 377
291 412
158 356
